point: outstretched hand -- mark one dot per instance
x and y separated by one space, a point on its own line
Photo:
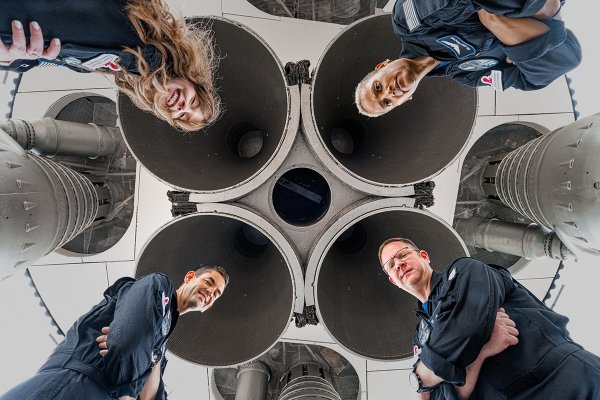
504 335
101 340
19 50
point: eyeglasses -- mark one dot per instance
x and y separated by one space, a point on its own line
401 255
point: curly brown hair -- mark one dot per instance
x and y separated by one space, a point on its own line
187 53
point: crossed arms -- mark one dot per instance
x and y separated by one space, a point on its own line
504 335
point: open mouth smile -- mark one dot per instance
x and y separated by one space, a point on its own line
172 100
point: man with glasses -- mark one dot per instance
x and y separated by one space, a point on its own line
116 351
466 344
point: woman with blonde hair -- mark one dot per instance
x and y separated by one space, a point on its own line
165 65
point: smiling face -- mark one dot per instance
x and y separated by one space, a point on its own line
182 101
391 84
199 292
407 267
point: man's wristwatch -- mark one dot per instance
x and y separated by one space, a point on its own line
415 382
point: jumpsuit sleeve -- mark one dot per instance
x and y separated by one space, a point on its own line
411 48
539 61
463 320
511 8
20 66
133 334
161 393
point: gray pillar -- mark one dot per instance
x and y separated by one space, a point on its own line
528 241
52 137
253 381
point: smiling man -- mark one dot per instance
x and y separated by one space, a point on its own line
497 43
460 310
140 316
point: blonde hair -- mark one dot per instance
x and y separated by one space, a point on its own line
187 53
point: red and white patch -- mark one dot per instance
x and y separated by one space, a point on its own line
165 301
112 66
416 351
494 79
106 61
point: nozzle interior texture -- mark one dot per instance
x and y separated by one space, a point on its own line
253 93
408 144
254 310
359 306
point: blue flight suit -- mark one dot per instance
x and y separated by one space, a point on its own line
461 310
89 30
450 31
141 314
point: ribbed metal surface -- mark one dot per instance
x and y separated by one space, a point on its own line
254 310
555 181
472 199
362 310
77 194
406 145
309 388
310 382
43 205
253 97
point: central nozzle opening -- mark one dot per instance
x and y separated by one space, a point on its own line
301 197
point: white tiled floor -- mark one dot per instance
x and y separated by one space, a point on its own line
63 79
389 385
318 34
119 269
154 208
70 290
551 99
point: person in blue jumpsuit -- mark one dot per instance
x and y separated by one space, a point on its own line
459 320
164 64
516 43
138 316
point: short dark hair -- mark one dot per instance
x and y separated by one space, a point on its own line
203 269
392 240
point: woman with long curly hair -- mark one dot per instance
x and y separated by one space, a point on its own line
165 65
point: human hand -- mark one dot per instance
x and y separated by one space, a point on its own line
19 50
504 335
101 340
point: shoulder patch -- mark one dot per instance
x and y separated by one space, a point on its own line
494 79
103 61
478 64
165 302
166 323
72 61
459 47
452 274
410 15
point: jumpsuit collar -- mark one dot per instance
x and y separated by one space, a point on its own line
174 312
436 278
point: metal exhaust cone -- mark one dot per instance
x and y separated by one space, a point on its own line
409 144
249 141
257 305
355 302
